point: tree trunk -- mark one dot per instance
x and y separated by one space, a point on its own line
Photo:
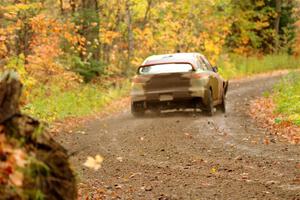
10 92
129 35
61 3
73 5
147 13
277 23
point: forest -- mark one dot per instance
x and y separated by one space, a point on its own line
102 42
75 57
59 46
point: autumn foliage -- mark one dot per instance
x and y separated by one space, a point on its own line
99 39
263 110
74 56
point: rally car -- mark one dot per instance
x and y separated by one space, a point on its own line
177 81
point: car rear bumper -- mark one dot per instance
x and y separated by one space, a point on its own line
167 95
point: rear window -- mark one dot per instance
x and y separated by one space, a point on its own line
166 68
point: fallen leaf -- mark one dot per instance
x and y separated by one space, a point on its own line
266 141
213 170
120 159
188 135
94 163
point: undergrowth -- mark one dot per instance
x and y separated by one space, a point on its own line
234 66
287 97
52 103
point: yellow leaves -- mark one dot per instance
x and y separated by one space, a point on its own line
9 16
297 41
10 11
94 163
259 3
164 5
3 48
145 37
245 39
242 50
107 36
261 24
213 170
212 44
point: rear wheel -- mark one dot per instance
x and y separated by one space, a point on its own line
137 109
210 104
156 111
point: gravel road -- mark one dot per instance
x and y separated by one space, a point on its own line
183 155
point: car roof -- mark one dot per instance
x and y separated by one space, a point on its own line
172 58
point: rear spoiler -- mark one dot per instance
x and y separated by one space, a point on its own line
147 65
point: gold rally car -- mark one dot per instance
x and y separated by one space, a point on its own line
174 81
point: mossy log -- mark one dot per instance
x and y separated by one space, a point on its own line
50 172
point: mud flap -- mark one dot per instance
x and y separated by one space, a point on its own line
206 97
226 87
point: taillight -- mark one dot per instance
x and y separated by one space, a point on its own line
197 76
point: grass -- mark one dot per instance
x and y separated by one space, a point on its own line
287 97
287 93
50 103
233 66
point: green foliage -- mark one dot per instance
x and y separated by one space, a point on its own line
50 103
88 21
17 63
34 172
253 29
37 168
287 97
87 69
232 66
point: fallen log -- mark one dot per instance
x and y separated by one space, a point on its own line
47 172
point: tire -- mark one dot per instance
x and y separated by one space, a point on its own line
137 110
156 112
210 104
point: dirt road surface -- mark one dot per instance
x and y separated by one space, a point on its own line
186 155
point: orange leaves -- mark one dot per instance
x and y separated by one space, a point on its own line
212 42
297 42
45 45
12 160
107 37
16 178
262 110
3 48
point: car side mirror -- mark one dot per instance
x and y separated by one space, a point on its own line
215 69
